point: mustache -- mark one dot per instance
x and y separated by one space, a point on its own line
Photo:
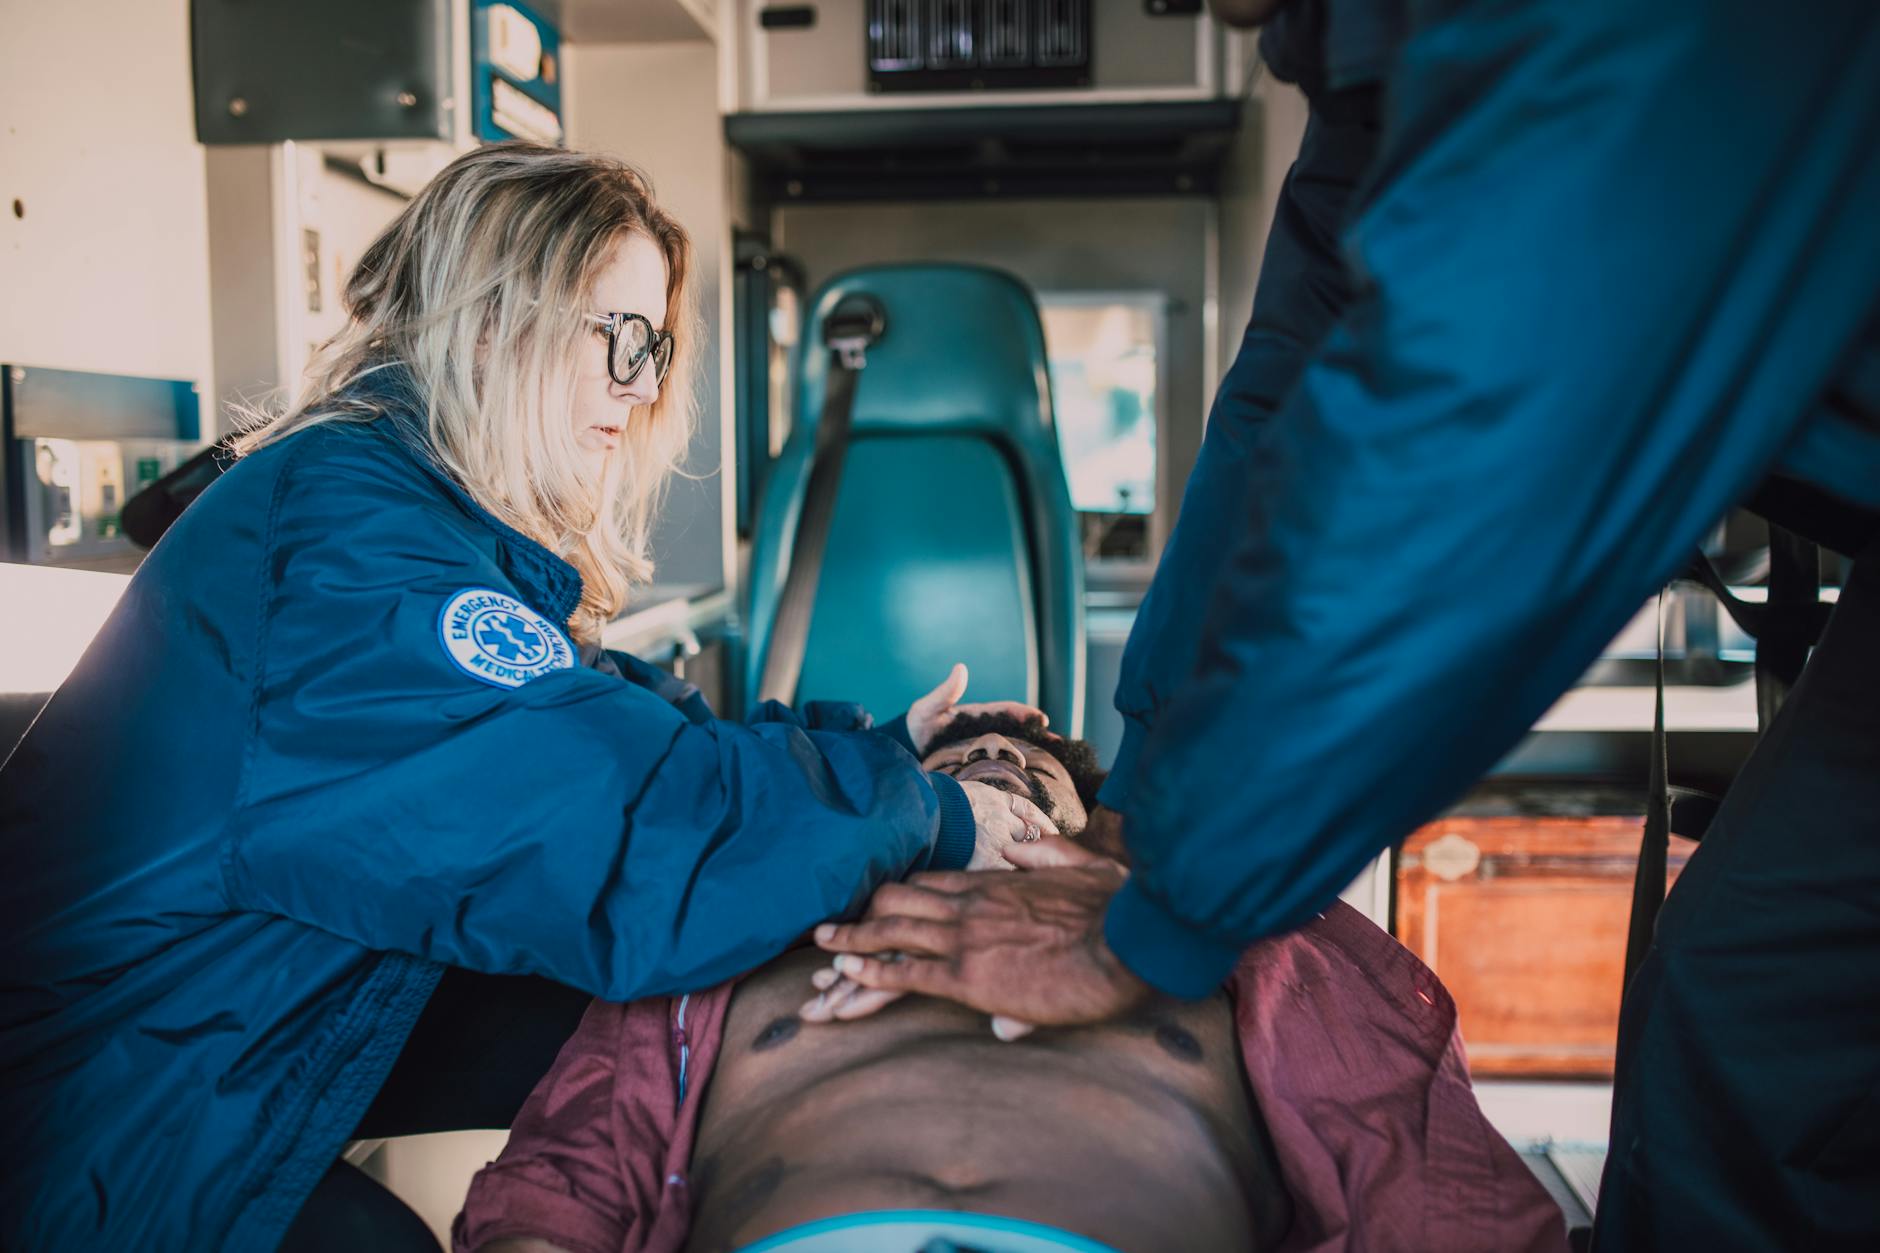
1035 792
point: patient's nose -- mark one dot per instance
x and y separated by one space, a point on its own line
997 747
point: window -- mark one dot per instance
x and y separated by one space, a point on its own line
1105 357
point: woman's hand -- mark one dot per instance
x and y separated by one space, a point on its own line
929 716
1000 821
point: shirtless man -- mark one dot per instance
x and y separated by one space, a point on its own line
726 1121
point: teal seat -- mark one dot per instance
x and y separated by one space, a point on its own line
953 536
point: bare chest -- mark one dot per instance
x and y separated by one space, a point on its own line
1140 1133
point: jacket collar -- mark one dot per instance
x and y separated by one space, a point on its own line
543 577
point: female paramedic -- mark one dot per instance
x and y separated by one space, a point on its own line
350 726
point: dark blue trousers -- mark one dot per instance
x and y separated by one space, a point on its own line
1747 1108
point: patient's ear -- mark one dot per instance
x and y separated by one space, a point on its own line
1104 834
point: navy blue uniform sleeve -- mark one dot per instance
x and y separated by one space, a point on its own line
577 827
1303 288
952 849
815 715
1612 256
896 729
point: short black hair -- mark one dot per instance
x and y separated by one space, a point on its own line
1079 757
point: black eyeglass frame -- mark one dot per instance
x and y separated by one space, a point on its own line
614 323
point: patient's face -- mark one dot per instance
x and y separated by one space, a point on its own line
1013 757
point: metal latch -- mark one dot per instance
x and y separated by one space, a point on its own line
857 322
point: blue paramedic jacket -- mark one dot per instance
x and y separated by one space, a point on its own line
332 739
1590 272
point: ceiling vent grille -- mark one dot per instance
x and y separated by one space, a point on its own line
1008 33
894 35
978 45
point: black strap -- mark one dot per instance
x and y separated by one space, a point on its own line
856 323
1648 882
1793 622
1786 626
1747 614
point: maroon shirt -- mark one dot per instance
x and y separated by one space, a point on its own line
1349 1043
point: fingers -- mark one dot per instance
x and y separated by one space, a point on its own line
891 933
1030 815
1009 1029
926 975
911 901
865 1001
844 1000
990 855
947 694
1008 708
955 686
939 881
1052 850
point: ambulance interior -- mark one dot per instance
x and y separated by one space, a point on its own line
1046 219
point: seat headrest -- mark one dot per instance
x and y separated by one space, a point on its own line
963 350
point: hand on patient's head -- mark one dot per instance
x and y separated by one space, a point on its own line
929 717
1003 821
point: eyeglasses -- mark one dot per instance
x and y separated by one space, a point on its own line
631 342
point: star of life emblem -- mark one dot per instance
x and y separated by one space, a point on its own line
494 637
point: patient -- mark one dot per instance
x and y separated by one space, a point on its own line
1319 1102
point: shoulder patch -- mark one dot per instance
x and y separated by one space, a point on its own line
492 636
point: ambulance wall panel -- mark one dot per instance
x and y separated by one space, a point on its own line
656 105
103 230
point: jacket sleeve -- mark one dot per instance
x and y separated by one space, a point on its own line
1302 289
576 827
1603 286
815 715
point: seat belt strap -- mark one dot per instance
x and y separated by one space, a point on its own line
856 323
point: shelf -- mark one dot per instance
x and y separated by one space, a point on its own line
1154 148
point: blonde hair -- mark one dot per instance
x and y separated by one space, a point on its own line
480 289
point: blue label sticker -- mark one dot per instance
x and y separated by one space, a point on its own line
495 637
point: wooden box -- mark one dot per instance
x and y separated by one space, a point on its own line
1524 918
